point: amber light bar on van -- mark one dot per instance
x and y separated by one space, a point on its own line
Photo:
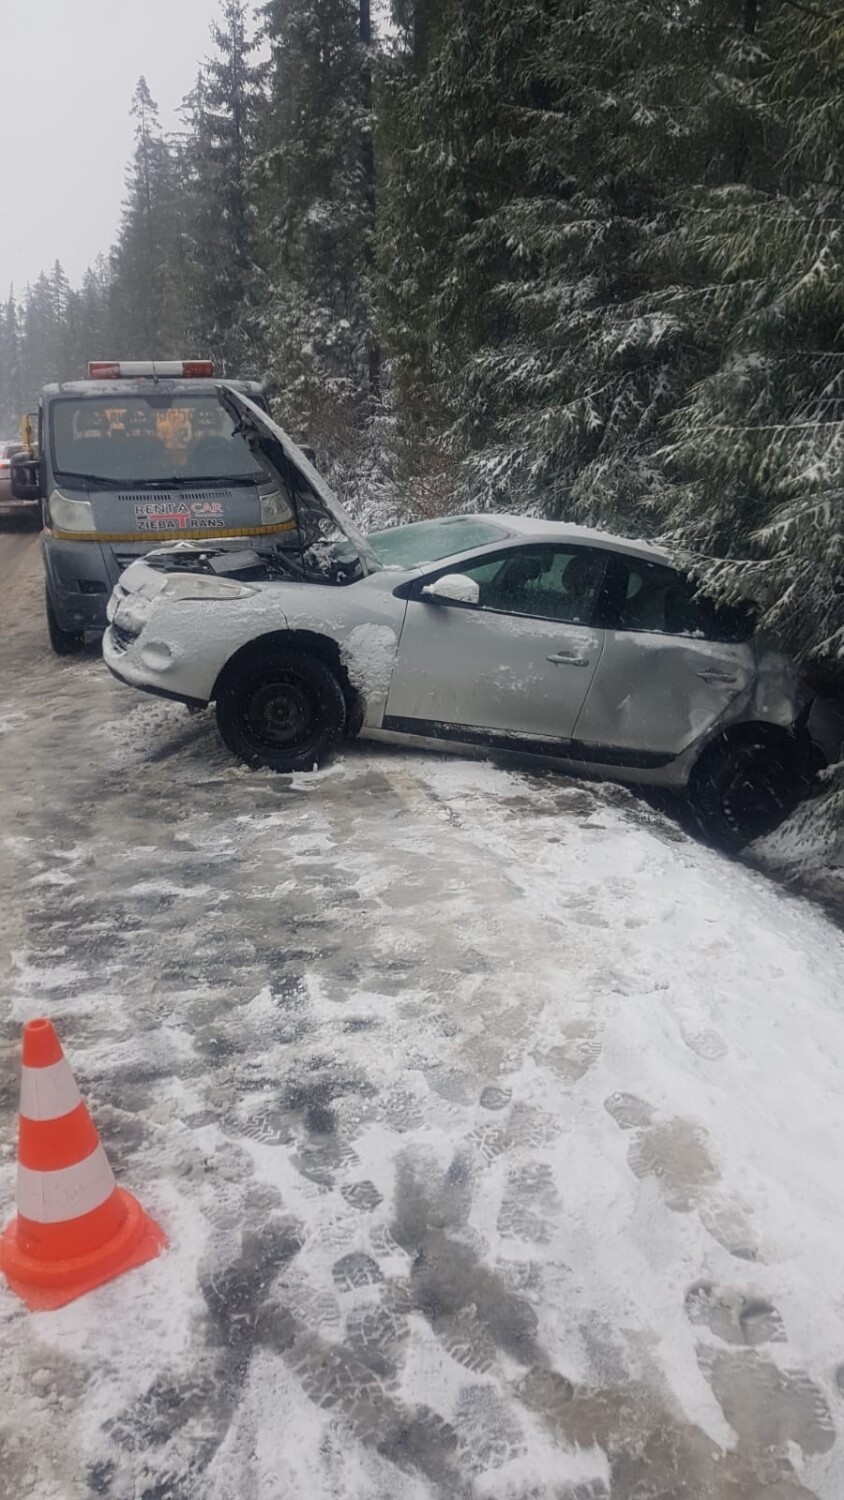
139 369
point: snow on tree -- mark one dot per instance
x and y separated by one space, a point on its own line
222 115
759 447
315 177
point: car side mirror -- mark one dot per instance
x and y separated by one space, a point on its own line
25 477
455 587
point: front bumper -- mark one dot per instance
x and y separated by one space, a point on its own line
146 667
80 577
113 661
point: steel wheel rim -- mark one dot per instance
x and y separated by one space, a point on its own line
280 714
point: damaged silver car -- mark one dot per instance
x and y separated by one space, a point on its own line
485 632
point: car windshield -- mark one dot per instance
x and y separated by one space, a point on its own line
137 439
430 541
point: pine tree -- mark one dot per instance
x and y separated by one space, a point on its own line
40 339
536 322
88 331
316 179
759 448
11 396
222 115
416 228
139 258
61 301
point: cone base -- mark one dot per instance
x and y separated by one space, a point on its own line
46 1285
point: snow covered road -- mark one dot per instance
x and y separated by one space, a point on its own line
497 1126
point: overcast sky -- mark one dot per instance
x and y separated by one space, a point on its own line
69 71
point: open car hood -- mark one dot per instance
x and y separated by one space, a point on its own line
311 498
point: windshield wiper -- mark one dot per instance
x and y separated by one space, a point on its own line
93 481
187 481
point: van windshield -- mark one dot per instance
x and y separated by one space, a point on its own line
148 439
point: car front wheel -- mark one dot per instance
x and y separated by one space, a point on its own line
283 709
743 790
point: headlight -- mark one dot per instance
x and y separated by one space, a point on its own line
131 614
71 515
275 508
204 586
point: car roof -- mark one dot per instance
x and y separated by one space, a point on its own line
566 531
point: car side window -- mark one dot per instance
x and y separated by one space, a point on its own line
659 600
548 582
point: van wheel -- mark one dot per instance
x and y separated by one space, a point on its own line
281 709
744 789
63 642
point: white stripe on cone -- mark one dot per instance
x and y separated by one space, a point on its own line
48 1093
50 1197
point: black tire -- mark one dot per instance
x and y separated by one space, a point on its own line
743 789
63 642
283 709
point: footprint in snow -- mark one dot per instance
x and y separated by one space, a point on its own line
628 1111
377 1336
576 1053
530 1204
734 1317
675 1152
495 1098
363 1195
705 1043
466 1339
768 1408
730 1225
489 1434
356 1270
524 1126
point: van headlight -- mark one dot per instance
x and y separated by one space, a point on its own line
275 508
70 515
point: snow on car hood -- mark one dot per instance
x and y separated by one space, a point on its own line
289 467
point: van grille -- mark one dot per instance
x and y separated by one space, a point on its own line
180 494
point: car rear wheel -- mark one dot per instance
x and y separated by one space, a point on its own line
744 789
281 709
63 642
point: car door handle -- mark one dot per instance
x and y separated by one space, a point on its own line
569 659
711 675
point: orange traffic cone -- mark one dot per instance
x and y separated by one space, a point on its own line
75 1228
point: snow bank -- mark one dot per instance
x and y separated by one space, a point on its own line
807 851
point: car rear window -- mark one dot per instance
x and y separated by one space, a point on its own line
660 600
429 541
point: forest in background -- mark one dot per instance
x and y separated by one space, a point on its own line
576 257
